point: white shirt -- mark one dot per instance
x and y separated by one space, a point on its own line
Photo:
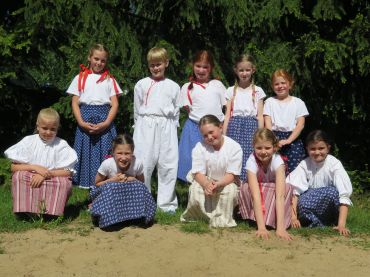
156 98
109 168
243 102
215 164
270 175
330 172
284 115
94 93
208 100
56 154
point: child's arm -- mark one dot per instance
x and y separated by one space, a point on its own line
260 118
262 232
280 197
100 127
227 179
295 220
227 117
295 133
140 178
343 212
101 179
60 173
43 171
207 184
268 122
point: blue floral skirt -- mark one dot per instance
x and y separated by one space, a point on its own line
241 129
92 149
117 202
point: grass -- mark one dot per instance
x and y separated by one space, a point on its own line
77 219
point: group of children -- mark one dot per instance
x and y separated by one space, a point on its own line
250 156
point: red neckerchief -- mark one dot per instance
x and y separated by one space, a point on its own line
190 87
260 175
153 82
82 77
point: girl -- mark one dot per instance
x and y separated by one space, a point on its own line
244 109
266 198
285 115
42 165
200 96
215 169
322 188
94 105
119 193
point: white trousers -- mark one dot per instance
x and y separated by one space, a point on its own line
156 144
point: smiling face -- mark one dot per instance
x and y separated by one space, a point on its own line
47 128
212 135
98 61
264 150
318 150
281 87
122 154
157 69
244 71
202 71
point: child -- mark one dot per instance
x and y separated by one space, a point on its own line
119 193
156 114
201 96
42 165
94 105
285 115
244 109
322 188
216 165
266 198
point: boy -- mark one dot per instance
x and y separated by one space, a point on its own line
156 115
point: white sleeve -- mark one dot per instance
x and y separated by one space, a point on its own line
67 157
113 92
298 179
104 168
260 93
222 94
235 161
267 108
184 101
302 109
198 162
137 100
251 164
229 93
19 152
73 87
177 105
342 183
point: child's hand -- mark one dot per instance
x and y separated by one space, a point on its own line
342 230
208 188
283 234
283 142
43 171
88 127
36 181
120 177
263 234
296 223
100 127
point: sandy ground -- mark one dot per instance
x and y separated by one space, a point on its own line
167 251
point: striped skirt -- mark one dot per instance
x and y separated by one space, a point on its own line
92 149
268 191
294 152
117 202
216 209
50 198
190 136
319 207
241 129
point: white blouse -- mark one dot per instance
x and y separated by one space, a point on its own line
330 172
56 154
243 102
270 175
109 168
215 164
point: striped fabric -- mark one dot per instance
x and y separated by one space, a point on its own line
217 209
50 198
268 190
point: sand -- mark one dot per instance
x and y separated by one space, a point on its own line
167 251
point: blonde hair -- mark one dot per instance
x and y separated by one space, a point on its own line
209 119
99 47
245 58
264 134
157 54
48 113
282 73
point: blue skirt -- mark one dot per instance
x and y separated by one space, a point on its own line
190 136
92 149
241 129
294 152
117 202
319 207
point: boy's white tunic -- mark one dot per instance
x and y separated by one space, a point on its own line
218 209
156 115
329 172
